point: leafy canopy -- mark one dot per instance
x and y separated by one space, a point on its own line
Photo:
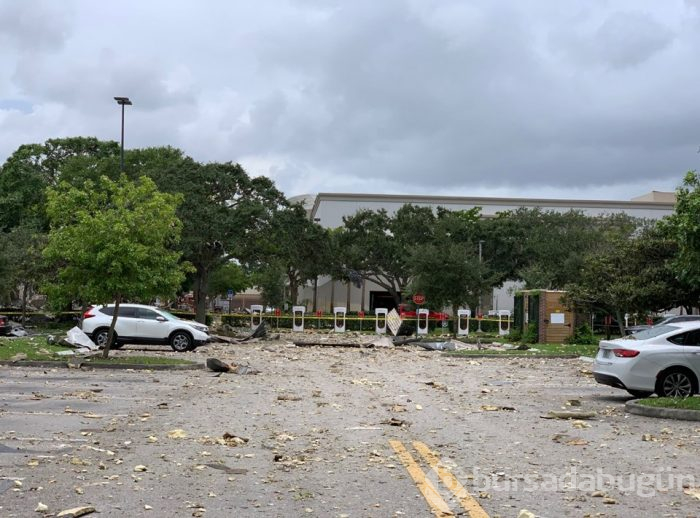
113 240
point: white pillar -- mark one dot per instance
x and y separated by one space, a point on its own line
463 316
339 319
298 318
503 313
422 327
380 320
256 311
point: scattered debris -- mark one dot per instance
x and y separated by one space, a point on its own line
216 365
573 402
382 341
396 422
233 440
568 414
494 408
328 344
524 513
288 397
226 469
177 434
77 338
692 491
258 332
438 346
18 332
41 508
75 512
436 385
563 438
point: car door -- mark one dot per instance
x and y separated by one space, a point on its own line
150 325
691 347
126 322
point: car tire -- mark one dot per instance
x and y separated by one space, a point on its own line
100 338
676 383
181 341
640 394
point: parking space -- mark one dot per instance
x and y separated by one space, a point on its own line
325 432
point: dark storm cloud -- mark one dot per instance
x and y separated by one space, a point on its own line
393 96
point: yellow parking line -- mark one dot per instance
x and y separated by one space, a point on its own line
465 499
435 501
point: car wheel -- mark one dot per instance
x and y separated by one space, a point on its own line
100 338
181 341
640 394
675 383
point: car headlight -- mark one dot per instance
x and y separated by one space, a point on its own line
203 329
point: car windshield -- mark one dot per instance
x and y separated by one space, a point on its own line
168 315
652 332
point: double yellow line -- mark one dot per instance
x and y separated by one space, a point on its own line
437 505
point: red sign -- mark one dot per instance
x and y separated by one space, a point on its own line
479 315
361 314
277 312
319 313
419 298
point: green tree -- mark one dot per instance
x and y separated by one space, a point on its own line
447 268
113 241
229 276
379 247
225 213
20 254
684 225
299 246
32 168
632 275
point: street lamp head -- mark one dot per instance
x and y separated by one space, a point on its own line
123 101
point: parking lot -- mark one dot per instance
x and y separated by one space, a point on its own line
338 432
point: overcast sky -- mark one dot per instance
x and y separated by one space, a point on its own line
576 99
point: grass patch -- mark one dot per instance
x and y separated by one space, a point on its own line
36 349
140 360
536 349
691 403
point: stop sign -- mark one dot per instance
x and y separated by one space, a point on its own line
419 298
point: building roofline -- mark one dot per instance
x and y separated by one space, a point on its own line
480 201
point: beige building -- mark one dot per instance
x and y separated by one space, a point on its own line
328 209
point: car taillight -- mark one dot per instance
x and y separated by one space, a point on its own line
88 314
625 353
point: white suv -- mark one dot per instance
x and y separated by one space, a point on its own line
138 324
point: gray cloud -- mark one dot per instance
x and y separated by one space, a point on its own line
394 96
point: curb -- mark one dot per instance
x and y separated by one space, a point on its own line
534 356
682 414
92 366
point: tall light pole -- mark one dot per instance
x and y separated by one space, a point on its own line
481 242
123 101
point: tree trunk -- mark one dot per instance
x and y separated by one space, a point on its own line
362 297
201 283
293 290
332 294
315 293
348 296
24 303
620 322
110 335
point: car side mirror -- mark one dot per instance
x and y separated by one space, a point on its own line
161 319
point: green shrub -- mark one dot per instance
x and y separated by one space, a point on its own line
531 335
583 335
